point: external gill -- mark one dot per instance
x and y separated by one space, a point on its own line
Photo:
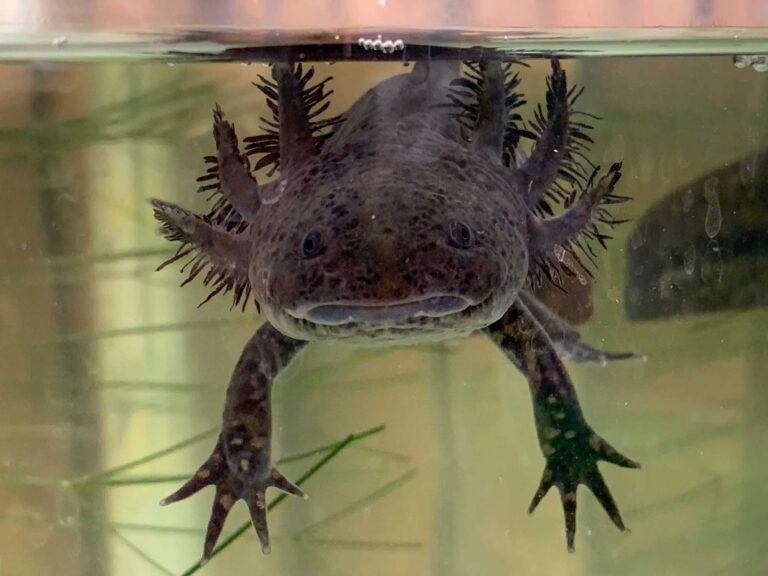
557 245
485 102
217 242
221 254
558 161
295 130
212 242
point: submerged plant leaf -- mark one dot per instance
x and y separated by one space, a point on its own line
101 476
360 504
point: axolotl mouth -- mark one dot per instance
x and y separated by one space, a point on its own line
351 312
424 319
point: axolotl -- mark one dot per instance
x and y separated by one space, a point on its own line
416 216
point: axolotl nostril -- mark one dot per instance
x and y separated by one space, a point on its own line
413 217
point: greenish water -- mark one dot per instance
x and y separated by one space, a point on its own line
422 460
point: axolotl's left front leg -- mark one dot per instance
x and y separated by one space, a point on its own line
240 466
571 448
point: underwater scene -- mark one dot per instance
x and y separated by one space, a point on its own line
464 237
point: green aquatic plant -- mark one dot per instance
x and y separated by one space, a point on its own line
113 478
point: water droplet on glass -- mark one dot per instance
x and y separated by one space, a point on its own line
711 267
747 170
689 260
663 170
646 165
67 507
714 218
40 536
688 200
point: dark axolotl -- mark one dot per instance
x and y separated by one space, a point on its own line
413 218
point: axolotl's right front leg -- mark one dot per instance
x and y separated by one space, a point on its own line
240 466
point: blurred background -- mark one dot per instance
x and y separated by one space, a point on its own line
313 15
112 381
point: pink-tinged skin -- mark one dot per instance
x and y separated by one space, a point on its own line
413 218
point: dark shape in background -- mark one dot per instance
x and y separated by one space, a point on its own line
704 247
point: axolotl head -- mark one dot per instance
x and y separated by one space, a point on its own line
405 254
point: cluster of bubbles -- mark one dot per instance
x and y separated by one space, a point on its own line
385 46
758 62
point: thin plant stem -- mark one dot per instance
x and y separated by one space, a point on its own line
100 476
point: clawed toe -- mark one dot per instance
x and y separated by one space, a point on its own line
209 473
231 487
581 468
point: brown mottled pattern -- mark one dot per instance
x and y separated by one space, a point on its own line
410 223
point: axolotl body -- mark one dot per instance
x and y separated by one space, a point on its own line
414 217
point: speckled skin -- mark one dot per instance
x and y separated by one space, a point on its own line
384 192
400 228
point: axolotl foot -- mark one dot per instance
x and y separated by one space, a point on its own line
233 483
574 462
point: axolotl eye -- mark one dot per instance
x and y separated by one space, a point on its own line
461 235
312 245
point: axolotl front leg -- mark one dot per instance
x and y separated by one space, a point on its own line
570 446
240 466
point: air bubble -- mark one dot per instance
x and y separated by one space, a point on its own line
758 62
741 61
